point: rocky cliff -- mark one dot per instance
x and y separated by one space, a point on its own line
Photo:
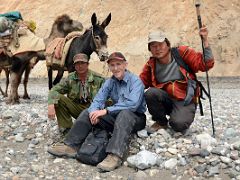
133 19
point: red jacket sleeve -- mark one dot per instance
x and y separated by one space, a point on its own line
145 76
195 59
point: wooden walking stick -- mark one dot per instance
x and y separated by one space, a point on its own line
197 4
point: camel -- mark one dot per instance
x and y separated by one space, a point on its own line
21 62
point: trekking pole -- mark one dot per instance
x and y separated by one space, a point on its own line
197 4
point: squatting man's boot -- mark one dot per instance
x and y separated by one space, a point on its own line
155 127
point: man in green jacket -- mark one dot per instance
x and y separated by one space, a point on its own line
80 87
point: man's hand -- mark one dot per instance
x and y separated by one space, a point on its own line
203 32
51 111
94 116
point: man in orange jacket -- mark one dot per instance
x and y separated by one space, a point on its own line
172 90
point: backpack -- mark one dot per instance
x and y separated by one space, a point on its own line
182 63
93 150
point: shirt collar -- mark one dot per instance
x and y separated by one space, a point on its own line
125 78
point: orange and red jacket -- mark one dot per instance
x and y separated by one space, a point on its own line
177 89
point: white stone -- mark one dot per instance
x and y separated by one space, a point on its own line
172 151
171 163
205 140
7 159
187 141
58 160
142 134
225 159
143 160
19 137
153 172
237 162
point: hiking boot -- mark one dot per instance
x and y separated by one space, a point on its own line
61 150
110 163
155 127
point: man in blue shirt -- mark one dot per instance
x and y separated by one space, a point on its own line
123 117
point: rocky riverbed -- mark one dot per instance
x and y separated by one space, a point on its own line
26 133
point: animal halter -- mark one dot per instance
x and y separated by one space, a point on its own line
105 67
94 40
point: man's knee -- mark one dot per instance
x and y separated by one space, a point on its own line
180 126
124 118
62 100
62 97
84 116
153 93
125 112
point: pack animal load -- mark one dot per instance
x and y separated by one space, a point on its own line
4 24
14 31
8 28
57 49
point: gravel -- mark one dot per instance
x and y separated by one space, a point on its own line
26 133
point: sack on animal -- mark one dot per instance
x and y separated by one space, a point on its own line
57 50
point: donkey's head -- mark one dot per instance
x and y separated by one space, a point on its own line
99 36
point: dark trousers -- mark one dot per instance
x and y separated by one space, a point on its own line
121 126
160 104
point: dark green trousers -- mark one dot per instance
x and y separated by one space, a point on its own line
66 109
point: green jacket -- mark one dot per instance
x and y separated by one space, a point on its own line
73 88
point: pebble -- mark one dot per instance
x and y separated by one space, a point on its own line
225 160
213 171
171 163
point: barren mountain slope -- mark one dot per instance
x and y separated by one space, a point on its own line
133 19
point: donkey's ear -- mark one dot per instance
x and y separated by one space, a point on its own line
94 19
106 21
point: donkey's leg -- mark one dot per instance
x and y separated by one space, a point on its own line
7 73
58 77
15 81
17 69
28 69
25 81
1 91
0 86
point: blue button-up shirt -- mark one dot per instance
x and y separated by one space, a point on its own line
125 94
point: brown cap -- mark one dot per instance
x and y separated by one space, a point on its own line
117 56
80 57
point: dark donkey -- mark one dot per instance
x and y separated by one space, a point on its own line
94 39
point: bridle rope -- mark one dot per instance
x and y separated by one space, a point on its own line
94 40
105 66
